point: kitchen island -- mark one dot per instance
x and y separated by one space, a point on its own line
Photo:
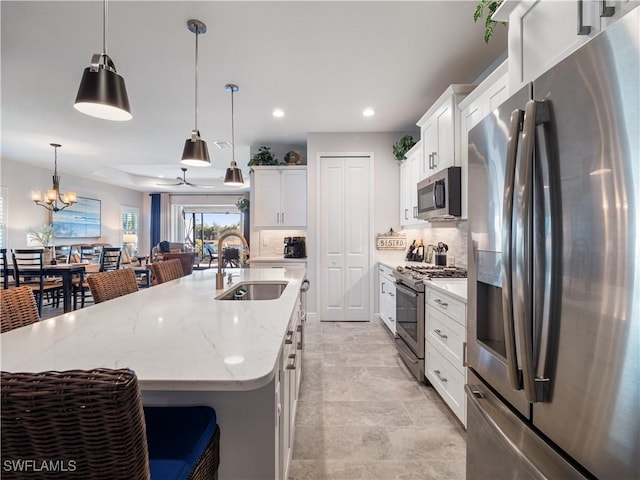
241 357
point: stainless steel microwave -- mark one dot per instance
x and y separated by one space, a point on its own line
439 196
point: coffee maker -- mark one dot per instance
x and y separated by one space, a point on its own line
295 247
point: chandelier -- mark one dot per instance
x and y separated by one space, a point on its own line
54 200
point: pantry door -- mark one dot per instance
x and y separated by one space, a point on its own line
345 238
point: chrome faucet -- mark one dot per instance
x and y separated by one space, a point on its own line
220 274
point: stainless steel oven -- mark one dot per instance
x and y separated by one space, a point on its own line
410 325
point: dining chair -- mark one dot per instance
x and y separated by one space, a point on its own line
110 258
62 253
93 421
5 268
167 270
17 308
112 284
28 270
231 257
187 260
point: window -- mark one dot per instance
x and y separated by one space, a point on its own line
130 231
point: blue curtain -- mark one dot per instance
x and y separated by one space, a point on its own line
155 220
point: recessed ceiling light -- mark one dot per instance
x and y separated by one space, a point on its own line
368 112
278 113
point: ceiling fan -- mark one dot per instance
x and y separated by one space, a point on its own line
183 181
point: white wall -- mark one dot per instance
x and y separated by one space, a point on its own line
20 179
386 191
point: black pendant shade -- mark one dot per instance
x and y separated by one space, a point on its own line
102 94
233 177
195 152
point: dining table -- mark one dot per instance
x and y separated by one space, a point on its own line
66 272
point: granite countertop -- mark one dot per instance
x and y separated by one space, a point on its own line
175 336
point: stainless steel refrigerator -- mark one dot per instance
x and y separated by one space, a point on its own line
554 278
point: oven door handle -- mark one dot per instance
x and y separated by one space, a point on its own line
406 291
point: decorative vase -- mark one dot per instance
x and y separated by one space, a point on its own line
49 256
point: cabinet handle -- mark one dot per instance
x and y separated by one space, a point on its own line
415 212
439 333
278 217
435 164
391 319
289 340
442 379
282 217
406 214
392 294
430 161
299 346
606 11
582 29
382 285
441 303
292 366
464 355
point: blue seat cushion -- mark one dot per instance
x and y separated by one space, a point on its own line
176 438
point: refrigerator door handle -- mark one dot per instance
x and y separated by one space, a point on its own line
515 375
548 257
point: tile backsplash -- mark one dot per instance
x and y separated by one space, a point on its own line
270 243
455 236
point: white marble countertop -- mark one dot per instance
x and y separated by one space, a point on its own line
276 260
175 336
456 287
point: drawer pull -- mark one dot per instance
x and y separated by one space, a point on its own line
439 333
441 303
437 373
289 340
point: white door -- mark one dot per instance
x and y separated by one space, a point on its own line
345 203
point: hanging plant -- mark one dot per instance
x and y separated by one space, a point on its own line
489 23
243 204
402 146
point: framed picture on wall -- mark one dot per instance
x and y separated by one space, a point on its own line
80 220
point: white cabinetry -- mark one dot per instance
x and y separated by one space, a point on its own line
445 336
440 144
387 297
543 32
279 196
478 104
409 178
287 391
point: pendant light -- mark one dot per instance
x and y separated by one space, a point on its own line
233 177
102 92
52 199
195 151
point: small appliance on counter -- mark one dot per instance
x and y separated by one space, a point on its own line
295 247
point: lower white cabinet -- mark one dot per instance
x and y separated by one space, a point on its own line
445 336
387 297
287 391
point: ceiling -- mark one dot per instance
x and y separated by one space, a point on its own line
322 63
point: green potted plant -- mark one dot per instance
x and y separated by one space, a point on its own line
263 157
489 23
243 204
44 236
402 146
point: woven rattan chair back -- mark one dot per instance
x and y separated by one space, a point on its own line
110 258
109 285
167 270
89 421
17 308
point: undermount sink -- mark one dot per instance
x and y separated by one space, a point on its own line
254 291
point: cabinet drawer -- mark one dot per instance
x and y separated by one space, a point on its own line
446 304
446 336
447 381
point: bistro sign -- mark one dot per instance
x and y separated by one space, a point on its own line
391 241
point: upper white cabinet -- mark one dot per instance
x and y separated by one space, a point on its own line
279 196
543 32
440 144
409 177
478 104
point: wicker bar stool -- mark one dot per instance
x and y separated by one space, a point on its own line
167 270
109 285
17 308
92 423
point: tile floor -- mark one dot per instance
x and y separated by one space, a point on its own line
361 414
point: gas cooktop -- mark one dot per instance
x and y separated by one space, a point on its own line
415 274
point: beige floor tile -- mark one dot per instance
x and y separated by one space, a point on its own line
326 470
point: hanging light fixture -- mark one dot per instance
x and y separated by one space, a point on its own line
233 177
195 151
54 200
102 92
